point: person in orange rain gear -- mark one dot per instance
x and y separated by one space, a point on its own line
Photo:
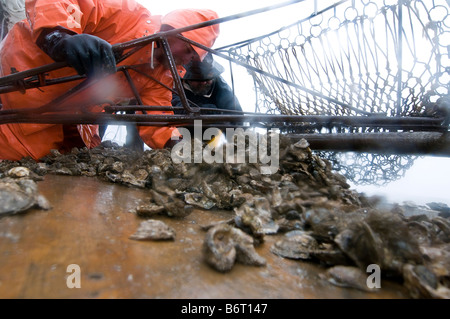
81 33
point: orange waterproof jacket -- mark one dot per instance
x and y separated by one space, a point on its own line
115 21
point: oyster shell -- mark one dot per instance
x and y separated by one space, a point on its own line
257 218
224 245
302 245
199 200
347 276
295 245
153 230
149 210
444 228
18 195
173 206
374 241
421 282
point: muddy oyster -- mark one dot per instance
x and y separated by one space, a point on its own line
225 245
421 282
443 226
327 222
256 218
173 205
348 277
18 195
153 230
374 241
199 200
22 172
295 245
149 210
300 244
443 209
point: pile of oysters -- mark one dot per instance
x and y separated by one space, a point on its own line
312 207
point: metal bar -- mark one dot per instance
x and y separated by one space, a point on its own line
118 108
418 143
132 86
9 79
176 78
96 118
52 105
33 84
400 56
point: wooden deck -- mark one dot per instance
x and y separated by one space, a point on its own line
90 224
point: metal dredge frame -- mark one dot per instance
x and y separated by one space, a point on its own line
403 134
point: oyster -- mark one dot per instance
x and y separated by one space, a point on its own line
295 245
153 230
173 206
421 282
302 245
438 261
18 195
149 210
257 218
225 245
374 241
443 209
329 254
22 172
347 276
444 228
199 200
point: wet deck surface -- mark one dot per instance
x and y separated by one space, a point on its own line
90 224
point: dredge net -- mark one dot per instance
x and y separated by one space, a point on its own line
369 169
355 57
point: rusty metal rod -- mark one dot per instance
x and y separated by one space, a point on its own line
176 78
132 86
97 118
412 143
119 108
36 84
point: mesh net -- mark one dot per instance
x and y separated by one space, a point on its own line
368 168
354 58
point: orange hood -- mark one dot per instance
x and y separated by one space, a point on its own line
185 17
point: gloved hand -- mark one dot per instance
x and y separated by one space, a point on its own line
86 53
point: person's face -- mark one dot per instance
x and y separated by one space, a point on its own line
182 51
200 87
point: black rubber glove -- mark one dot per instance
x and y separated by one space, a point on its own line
86 53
